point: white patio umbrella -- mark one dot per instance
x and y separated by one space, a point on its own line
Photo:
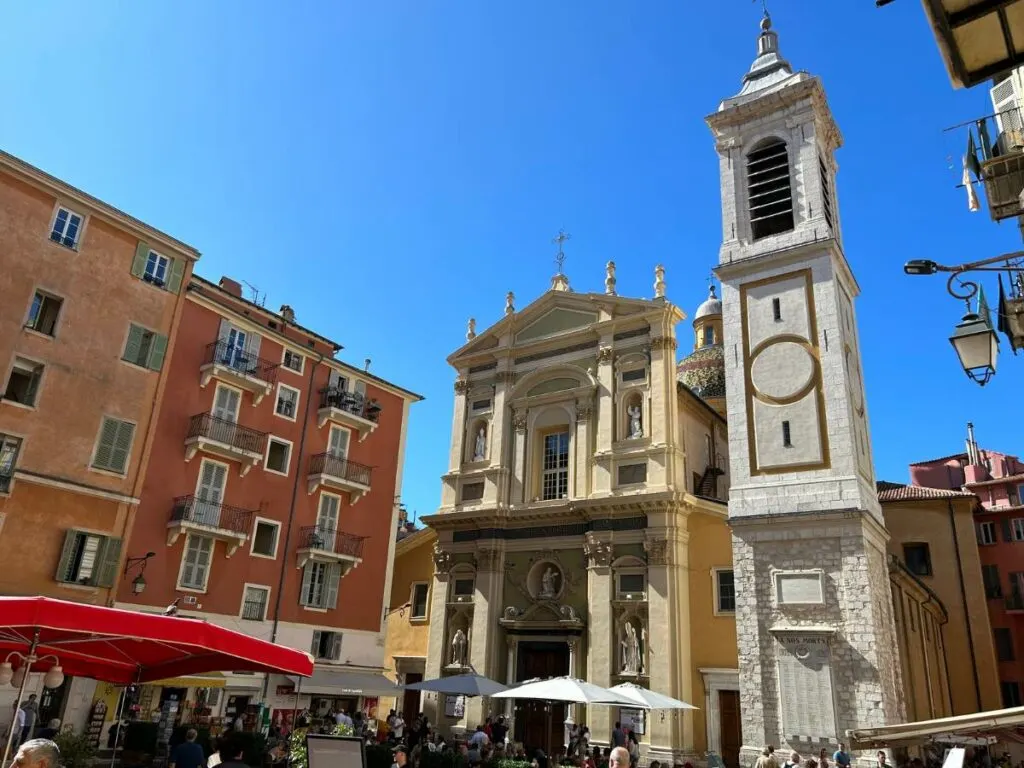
567 689
460 685
648 699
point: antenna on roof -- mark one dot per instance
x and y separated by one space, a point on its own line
256 298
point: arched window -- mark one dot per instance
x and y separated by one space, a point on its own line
769 191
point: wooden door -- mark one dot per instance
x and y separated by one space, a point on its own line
411 699
730 736
540 724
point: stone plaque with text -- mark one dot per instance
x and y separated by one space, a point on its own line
805 688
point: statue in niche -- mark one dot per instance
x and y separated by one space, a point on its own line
631 651
636 426
459 648
548 587
480 447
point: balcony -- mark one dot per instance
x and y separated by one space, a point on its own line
226 439
193 514
339 474
999 163
349 408
239 368
1015 603
325 545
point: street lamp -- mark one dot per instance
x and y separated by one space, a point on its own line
977 346
139 582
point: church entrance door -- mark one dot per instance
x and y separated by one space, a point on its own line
731 736
539 724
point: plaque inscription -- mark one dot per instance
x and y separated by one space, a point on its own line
805 688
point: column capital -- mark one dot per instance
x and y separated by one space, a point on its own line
664 342
584 410
604 355
461 386
489 559
658 551
519 421
599 553
442 560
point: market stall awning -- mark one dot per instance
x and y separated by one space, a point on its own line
999 723
212 680
326 682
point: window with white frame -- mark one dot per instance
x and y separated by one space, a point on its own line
293 361
43 314
418 600
1017 527
254 602
195 563
287 404
279 453
326 645
264 538
23 383
987 533
725 591
555 467
66 227
157 269
320 585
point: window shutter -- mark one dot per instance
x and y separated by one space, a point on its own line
252 344
133 346
33 389
977 532
175 273
1007 530
336 646
141 256
108 567
314 647
66 554
105 449
333 579
122 446
334 380
307 580
360 388
157 350
225 329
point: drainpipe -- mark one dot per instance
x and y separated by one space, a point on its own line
291 510
963 598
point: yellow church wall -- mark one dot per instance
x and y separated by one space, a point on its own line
407 637
712 637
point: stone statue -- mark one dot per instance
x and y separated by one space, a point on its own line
624 660
459 648
631 650
636 426
641 667
548 587
609 278
480 448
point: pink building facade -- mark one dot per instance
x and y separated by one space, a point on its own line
997 479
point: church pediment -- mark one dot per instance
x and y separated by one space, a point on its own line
541 615
556 321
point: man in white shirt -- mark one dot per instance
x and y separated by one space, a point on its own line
398 727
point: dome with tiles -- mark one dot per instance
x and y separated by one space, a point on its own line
703 370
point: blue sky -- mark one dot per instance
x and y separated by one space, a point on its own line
392 168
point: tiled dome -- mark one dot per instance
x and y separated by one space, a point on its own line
703 371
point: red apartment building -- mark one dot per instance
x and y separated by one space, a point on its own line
272 496
997 479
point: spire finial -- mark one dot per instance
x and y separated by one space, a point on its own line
659 282
609 278
711 286
510 302
471 329
560 282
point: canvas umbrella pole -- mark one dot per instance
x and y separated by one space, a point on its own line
21 693
117 717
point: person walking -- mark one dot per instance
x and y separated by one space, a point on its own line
31 712
188 754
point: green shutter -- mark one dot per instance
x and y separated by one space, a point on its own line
133 346
314 647
66 554
1007 530
335 646
122 446
106 572
157 350
105 448
141 256
307 579
176 272
333 579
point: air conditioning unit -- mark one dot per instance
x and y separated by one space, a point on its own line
189 600
632 596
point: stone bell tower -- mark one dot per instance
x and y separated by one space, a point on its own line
817 646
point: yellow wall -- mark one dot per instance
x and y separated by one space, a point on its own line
712 638
923 665
928 522
407 637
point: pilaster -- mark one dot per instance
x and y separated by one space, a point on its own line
433 707
458 425
517 491
501 447
583 450
599 632
605 436
486 612
663 355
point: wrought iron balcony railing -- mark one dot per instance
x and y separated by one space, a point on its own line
331 540
208 426
350 402
241 361
339 467
212 514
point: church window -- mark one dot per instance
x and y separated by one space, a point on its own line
777 309
709 335
725 591
918 558
637 374
787 438
462 588
826 192
631 584
555 475
769 190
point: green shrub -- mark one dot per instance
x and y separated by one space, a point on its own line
140 736
509 762
76 750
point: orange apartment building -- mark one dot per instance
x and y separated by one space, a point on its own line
997 479
90 299
272 497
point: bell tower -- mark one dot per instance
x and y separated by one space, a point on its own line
813 611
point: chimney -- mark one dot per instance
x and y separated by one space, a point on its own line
231 286
288 314
972 445
366 365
